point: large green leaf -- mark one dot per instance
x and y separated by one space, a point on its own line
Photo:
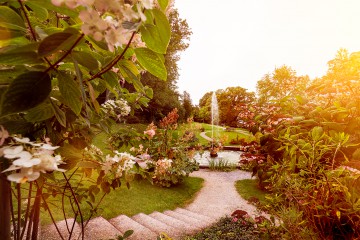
86 59
151 62
17 126
156 34
25 92
20 58
59 114
163 26
132 78
49 6
7 15
163 4
129 65
131 74
55 42
40 113
39 11
112 79
151 36
317 133
70 90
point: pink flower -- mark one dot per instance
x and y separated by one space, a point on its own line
3 135
235 219
150 133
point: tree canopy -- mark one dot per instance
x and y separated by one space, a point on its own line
281 83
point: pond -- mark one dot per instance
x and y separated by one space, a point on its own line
232 157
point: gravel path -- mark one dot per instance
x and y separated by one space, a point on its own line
219 197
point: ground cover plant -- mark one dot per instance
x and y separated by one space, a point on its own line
239 228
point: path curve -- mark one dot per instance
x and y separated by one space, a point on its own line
219 197
203 135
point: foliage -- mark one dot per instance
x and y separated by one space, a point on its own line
58 59
221 165
281 83
304 142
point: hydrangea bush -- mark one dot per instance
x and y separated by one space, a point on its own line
58 60
164 158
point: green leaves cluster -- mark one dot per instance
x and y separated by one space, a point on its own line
58 62
311 147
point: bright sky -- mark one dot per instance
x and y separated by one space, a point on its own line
236 42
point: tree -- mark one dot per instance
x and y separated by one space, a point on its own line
281 83
187 105
204 108
227 99
165 96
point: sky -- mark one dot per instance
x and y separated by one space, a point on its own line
236 42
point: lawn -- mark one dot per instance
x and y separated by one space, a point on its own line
142 197
248 188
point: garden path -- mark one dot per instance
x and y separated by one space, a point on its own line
219 197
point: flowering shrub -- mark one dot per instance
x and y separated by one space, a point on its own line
302 152
58 59
112 21
167 158
116 108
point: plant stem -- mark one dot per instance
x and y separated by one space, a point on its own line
77 204
36 216
114 61
27 20
27 210
48 209
5 210
65 55
19 210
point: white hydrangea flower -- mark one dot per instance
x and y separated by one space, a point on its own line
148 4
25 175
31 160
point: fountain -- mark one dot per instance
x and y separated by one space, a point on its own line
229 157
214 121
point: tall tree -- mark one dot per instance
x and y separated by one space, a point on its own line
281 83
187 105
228 99
165 96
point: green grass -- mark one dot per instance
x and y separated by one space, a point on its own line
248 188
142 197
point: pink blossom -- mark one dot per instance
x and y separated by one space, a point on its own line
150 133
